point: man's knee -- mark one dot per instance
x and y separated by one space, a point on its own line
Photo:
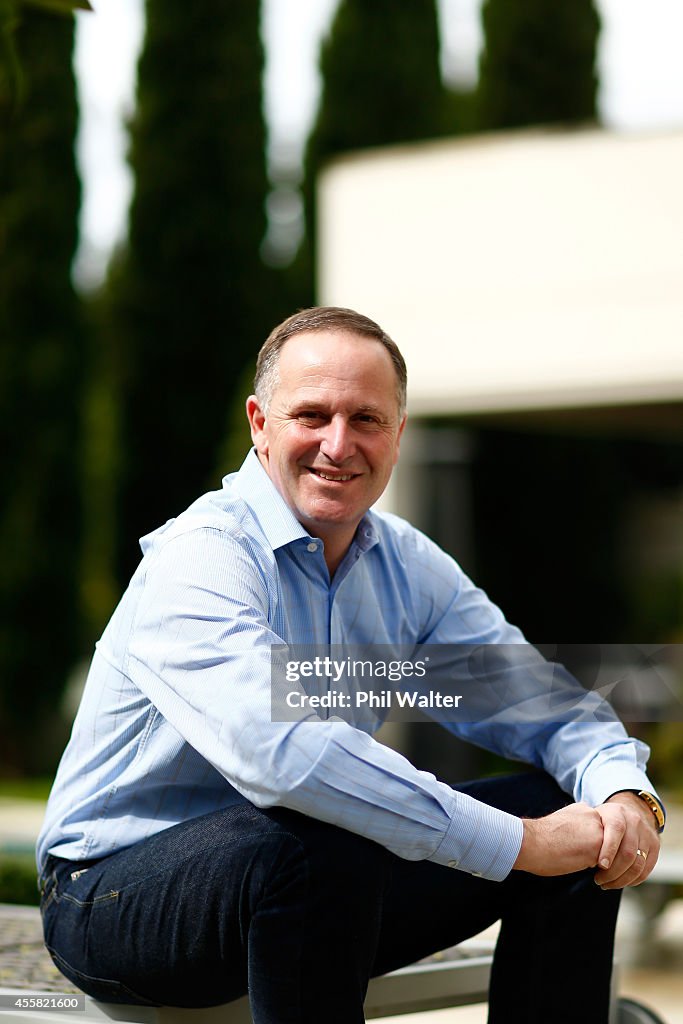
340 860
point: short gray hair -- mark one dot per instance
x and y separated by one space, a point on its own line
321 318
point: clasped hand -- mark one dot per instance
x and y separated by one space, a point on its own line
618 838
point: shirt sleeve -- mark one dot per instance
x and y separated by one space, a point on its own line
585 748
200 650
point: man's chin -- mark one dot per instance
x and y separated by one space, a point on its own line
318 519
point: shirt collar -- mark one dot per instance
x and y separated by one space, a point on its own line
274 515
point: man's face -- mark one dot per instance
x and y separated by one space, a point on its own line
331 436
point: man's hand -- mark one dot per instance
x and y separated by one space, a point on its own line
567 840
631 842
607 837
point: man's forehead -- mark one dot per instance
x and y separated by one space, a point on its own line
322 396
317 365
313 348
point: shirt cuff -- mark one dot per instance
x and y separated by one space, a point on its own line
608 774
618 784
480 840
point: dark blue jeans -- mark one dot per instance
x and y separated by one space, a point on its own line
301 914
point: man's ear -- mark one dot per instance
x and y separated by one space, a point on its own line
398 437
257 423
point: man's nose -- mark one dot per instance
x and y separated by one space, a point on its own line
337 442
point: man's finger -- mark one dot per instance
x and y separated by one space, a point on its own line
625 870
612 836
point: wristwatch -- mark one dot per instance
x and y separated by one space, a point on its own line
655 806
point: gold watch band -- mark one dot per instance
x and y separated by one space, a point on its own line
656 808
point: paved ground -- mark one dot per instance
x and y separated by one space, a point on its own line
25 964
24 961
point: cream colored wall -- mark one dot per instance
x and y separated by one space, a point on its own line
521 270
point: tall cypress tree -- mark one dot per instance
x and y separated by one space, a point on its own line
381 85
381 78
538 62
10 18
40 387
189 294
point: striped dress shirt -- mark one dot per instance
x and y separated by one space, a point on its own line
175 719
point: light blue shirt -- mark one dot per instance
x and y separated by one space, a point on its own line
175 719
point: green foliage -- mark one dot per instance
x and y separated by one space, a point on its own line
100 468
37 788
190 297
61 6
40 389
11 78
11 82
538 63
461 111
18 879
381 79
237 441
381 85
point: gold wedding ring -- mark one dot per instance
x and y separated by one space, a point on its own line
641 853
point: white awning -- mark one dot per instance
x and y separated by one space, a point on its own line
520 270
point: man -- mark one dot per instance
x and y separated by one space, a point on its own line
194 847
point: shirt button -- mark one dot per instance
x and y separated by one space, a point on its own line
311 547
452 863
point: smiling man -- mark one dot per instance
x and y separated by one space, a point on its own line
196 848
328 432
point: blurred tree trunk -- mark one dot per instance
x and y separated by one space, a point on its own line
40 388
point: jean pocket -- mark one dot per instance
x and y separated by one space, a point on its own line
48 890
104 990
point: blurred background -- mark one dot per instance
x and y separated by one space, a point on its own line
498 184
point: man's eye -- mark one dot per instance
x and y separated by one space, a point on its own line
308 415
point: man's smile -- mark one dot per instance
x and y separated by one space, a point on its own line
332 477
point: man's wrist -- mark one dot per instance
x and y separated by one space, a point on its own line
655 806
649 800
